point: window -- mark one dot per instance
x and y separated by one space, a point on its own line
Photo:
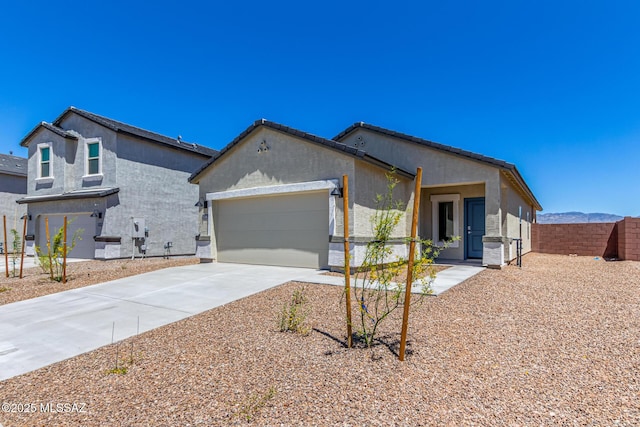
45 162
93 157
45 170
445 218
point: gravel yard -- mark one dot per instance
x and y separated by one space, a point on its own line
36 283
554 343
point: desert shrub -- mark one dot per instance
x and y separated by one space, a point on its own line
293 316
379 283
51 260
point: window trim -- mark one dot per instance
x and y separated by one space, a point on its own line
87 142
39 176
435 220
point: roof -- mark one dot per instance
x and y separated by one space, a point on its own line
117 126
60 132
508 168
76 194
326 143
12 165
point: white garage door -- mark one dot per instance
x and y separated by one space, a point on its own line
84 248
288 230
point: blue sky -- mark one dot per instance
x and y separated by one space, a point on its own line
551 86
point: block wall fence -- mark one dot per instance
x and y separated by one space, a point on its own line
608 240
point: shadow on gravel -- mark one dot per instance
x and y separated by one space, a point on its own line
390 341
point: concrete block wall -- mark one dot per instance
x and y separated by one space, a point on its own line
629 239
589 239
611 240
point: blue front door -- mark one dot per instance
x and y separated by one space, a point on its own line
473 226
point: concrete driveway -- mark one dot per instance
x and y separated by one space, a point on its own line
45 330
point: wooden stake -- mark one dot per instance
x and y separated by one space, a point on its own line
24 233
412 250
46 225
64 251
347 260
6 249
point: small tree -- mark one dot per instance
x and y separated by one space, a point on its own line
16 250
55 252
379 284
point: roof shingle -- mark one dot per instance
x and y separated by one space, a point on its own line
13 165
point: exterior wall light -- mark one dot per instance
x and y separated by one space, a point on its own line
337 191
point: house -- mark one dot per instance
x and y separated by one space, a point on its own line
273 197
123 187
13 186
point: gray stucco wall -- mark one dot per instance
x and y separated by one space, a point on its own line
153 182
12 188
154 185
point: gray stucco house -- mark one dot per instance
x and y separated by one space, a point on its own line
13 186
125 187
273 197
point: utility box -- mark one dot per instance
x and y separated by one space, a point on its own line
138 228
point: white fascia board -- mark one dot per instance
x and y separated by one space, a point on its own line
328 184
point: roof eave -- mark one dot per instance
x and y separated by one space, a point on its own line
51 128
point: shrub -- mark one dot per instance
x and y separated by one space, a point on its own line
51 260
293 316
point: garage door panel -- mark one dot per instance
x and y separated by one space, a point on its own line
85 245
274 257
289 230
303 239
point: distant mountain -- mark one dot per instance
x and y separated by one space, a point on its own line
576 217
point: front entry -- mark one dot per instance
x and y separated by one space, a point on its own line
474 223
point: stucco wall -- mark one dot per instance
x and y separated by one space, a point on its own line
438 168
12 188
514 205
292 160
58 153
153 182
288 160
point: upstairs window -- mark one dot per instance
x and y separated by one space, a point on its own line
45 161
93 157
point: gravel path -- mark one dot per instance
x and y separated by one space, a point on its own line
553 343
36 283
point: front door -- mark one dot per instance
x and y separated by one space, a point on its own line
474 226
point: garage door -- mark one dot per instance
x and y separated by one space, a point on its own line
84 248
288 230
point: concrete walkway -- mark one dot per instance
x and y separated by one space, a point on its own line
445 279
41 331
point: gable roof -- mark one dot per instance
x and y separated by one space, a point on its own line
323 142
48 126
13 165
508 168
120 127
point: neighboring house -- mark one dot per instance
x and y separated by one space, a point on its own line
126 188
273 197
13 186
